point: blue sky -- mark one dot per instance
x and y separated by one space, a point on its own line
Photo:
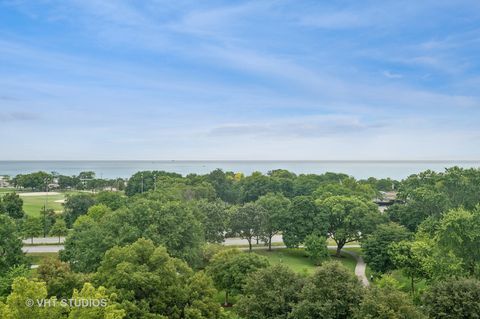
324 80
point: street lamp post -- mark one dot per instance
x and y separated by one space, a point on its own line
45 209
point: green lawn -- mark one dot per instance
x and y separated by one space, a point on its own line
295 259
33 205
6 190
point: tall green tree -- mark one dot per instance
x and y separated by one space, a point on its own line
459 233
32 227
387 303
316 248
77 205
171 224
113 200
10 245
376 246
144 181
276 210
214 217
246 221
453 298
332 292
303 218
270 293
111 310
229 270
149 283
7 278
35 181
85 245
420 204
256 185
12 205
348 218
59 229
405 256
224 185
22 303
59 278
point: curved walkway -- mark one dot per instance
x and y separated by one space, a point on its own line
359 268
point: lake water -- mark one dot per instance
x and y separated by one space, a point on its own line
113 169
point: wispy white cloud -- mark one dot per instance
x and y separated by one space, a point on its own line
391 75
243 80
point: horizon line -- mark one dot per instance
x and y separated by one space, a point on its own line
250 160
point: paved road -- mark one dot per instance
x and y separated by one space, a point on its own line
42 249
43 240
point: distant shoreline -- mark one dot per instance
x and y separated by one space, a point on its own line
124 169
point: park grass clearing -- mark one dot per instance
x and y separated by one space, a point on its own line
6 190
296 259
33 205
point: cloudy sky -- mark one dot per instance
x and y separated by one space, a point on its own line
297 79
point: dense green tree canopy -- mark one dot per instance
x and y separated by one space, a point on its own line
172 224
246 221
348 218
453 298
276 211
12 205
17 305
256 185
316 248
35 181
387 303
60 280
59 228
149 282
113 200
459 233
229 270
214 217
407 257
7 278
142 182
77 205
303 218
224 185
270 293
32 227
376 246
332 292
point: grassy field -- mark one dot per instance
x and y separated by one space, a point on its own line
298 262
33 205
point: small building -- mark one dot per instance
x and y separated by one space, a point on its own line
4 181
385 200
